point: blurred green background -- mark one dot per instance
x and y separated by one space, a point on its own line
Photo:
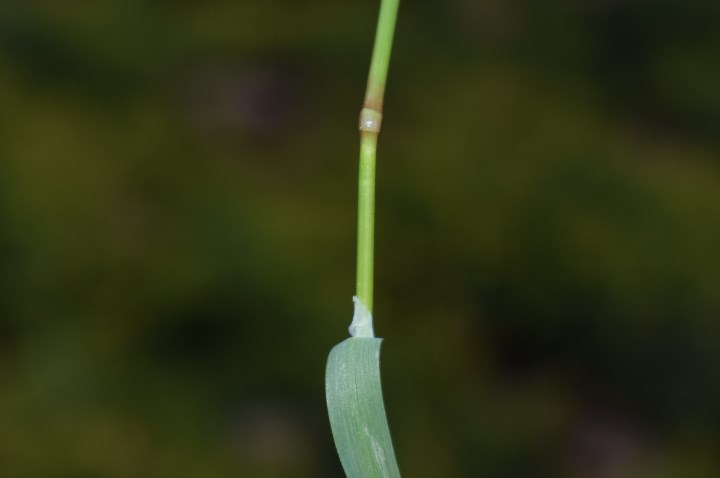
177 220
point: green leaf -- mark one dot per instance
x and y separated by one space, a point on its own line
357 412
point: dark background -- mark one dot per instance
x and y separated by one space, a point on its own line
177 220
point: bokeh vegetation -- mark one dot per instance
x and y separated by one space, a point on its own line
177 221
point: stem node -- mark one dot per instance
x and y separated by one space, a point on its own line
370 120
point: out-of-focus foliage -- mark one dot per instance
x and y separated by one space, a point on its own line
177 194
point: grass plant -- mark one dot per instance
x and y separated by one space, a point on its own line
352 381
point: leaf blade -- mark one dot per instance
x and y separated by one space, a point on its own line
356 409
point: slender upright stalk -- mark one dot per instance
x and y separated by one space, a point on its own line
370 123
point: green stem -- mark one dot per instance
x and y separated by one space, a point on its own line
370 123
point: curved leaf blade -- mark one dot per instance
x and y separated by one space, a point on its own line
356 409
